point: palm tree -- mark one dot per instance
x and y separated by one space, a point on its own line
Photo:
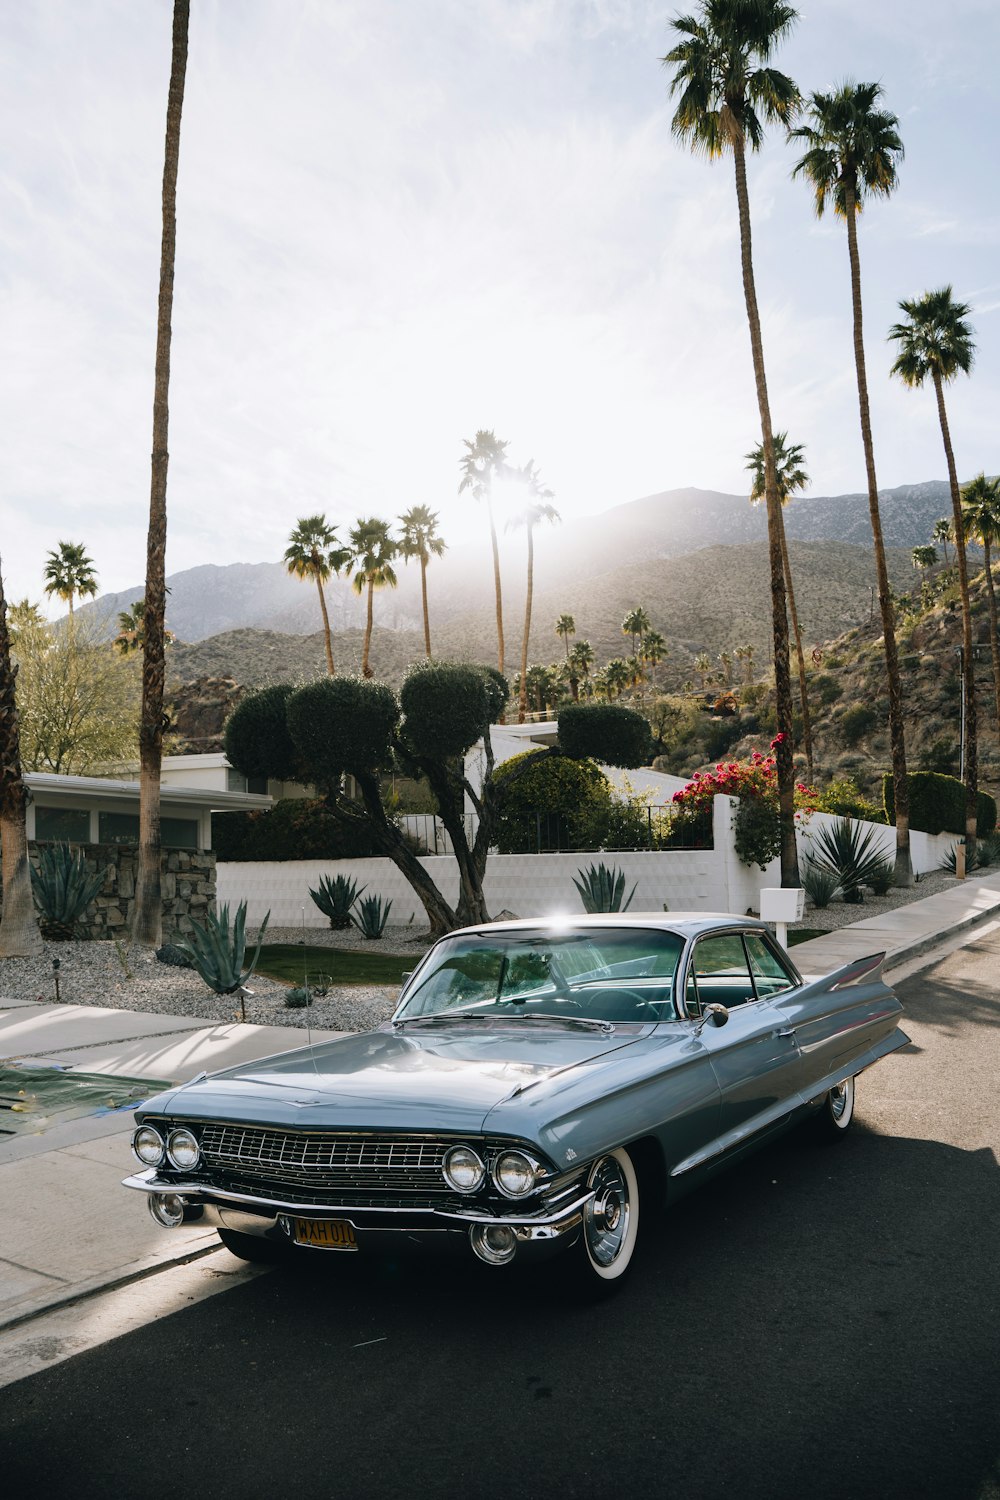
942 534
419 538
853 153
654 649
703 666
617 676
981 513
727 94
19 935
936 340
581 659
565 627
147 914
485 461
373 549
924 558
790 477
69 573
131 629
537 509
635 625
744 655
314 551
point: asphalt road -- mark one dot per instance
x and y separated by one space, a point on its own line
819 1322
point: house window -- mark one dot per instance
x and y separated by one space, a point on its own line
179 833
64 825
235 781
118 828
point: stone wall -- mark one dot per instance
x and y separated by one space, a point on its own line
188 884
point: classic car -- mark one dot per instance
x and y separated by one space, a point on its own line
539 1082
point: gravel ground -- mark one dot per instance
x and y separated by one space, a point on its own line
129 978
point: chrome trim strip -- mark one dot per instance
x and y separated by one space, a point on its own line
200 1192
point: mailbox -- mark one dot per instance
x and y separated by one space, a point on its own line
780 905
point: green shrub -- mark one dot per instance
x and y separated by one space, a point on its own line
820 885
608 733
447 708
825 688
756 831
342 724
573 798
298 998
937 804
256 738
294 828
856 723
846 799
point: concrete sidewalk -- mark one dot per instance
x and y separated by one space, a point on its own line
68 1228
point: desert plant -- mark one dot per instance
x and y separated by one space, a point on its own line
217 951
63 890
950 860
601 888
880 880
852 854
372 916
336 897
819 884
298 998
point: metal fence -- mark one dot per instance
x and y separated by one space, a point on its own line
627 827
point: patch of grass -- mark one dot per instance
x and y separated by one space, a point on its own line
286 960
803 935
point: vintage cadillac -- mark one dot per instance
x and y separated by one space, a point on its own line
538 1083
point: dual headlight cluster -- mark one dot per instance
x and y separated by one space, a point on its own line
180 1148
513 1173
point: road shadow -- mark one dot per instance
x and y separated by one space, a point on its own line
819 1322
958 991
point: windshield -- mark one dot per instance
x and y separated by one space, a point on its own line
606 974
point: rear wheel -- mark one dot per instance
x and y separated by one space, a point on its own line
835 1115
610 1224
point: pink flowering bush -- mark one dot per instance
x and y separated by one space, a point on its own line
755 783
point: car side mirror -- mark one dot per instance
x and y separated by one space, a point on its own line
714 1015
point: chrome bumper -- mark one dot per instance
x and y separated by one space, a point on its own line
268 1217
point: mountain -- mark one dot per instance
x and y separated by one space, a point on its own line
641 535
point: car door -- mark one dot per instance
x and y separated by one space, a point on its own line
754 1054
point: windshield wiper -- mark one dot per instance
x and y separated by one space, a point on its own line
519 1016
444 1015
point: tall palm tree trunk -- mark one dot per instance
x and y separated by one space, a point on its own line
327 639
147 917
991 600
423 596
522 705
803 689
779 614
496 583
903 873
19 935
365 669
968 664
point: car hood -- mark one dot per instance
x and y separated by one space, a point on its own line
444 1077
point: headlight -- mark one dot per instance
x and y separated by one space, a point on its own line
514 1174
463 1169
147 1144
183 1151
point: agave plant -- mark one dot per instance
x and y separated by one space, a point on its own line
819 885
336 897
851 853
601 889
63 890
218 953
372 916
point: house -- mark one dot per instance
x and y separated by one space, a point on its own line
100 810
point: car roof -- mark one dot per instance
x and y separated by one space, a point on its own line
685 923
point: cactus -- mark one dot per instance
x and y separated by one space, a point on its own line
218 954
298 998
336 897
372 916
601 889
63 890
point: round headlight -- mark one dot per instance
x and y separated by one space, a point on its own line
182 1149
463 1169
147 1144
514 1174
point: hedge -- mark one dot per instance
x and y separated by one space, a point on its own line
937 804
569 794
294 828
607 733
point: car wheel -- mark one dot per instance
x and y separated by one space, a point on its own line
252 1248
610 1224
835 1115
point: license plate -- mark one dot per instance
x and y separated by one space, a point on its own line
324 1234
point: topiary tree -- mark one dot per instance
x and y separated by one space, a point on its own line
605 732
575 793
346 724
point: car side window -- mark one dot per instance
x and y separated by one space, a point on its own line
769 973
720 972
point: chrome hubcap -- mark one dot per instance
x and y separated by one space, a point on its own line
839 1100
606 1223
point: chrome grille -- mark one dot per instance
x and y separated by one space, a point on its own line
314 1160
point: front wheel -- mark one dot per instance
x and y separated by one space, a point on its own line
610 1224
835 1115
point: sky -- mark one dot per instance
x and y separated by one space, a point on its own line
403 220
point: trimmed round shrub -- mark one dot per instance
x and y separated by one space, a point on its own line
555 802
342 724
607 733
447 707
257 741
